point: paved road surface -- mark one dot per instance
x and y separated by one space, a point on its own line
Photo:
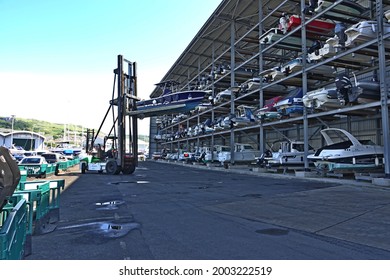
178 212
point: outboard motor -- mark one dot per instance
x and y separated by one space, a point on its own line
339 32
313 4
262 161
315 47
9 176
344 87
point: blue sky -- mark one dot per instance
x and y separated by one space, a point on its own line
57 57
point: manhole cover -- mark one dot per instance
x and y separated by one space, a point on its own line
273 231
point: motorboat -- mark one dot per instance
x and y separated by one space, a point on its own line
365 31
225 95
272 74
66 148
242 153
250 85
285 153
346 154
365 89
296 65
387 15
291 104
171 101
269 112
359 90
323 97
275 34
346 9
317 26
244 116
333 46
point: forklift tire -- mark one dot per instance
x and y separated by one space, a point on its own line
83 167
129 169
112 167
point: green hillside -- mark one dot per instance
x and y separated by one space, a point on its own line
52 131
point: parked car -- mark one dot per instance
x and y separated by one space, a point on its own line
33 160
36 166
53 157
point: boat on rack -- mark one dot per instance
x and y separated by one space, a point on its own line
322 98
346 9
347 154
365 31
275 34
363 90
285 153
317 26
269 112
291 104
171 101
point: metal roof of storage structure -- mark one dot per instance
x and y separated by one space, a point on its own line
210 49
196 60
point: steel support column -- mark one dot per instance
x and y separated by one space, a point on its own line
232 83
383 86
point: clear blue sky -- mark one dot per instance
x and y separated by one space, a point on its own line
58 56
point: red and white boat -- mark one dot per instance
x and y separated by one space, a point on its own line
317 26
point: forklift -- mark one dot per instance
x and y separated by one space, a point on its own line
123 155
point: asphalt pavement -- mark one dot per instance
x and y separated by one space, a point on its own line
167 211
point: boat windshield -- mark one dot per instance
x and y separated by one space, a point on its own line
300 147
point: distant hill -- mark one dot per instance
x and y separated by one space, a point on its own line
52 131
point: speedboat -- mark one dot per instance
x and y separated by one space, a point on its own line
285 153
347 154
330 47
365 31
317 26
363 89
64 147
171 101
250 85
269 112
323 97
225 95
244 116
387 15
343 10
291 103
274 34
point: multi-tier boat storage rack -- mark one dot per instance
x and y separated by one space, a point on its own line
228 51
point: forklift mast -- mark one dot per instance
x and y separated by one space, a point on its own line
125 157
